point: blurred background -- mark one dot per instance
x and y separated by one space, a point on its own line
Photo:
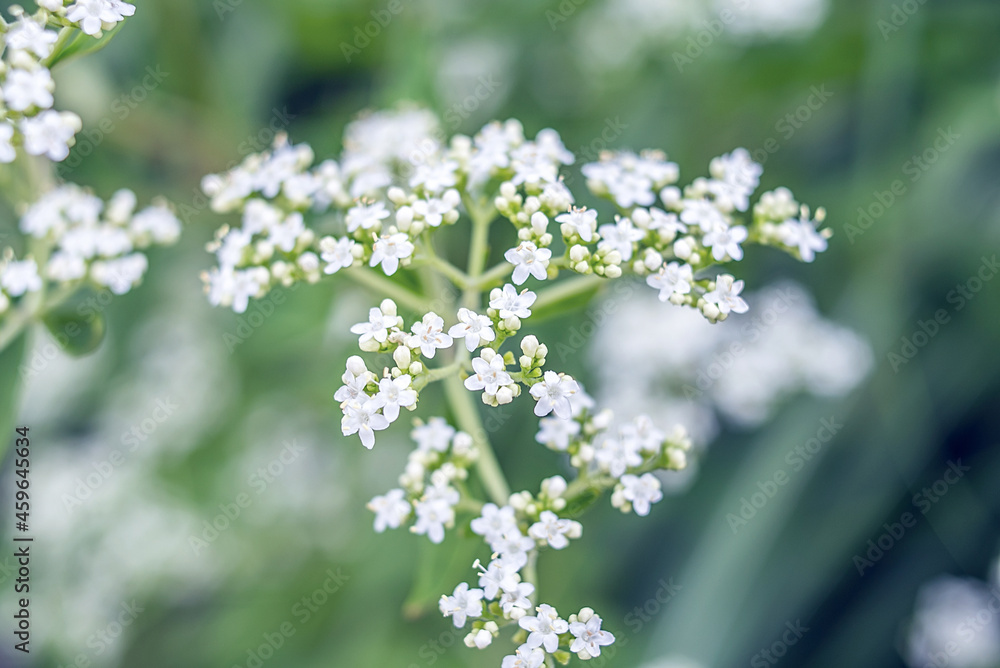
874 395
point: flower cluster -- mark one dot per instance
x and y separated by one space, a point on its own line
81 238
26 116
372 214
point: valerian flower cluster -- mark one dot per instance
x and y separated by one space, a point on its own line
71 237
374 213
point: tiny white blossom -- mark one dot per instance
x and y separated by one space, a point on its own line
727 295
120 274
524 657
641 491
616 455
94 15
552 395
802 235
394 393
50 133
434 178
511 304
513 546
499 576
488 376
376 328
27 34
660 220
389 250
589 637
620 236
672 278
557 433
337 253
285 236
462 604
356 379
24 89
434 512
20 277
391 510
580 221
736 177
158 223
366 216
544 628
528 260
7 150
494 522
434 210
434 435
429 334
726 241
704 214
516 599
362 418
477 330
555 531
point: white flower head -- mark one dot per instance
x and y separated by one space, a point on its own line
462 604
672 278
362 418
394 393
20 277
553 394
389 250
433 435
50 133
528 260
553 530
510 304
582 222
726 295
802 235
544 628
336 253
24 89
477 330
429 336
641 491
725 242
588 636
391 510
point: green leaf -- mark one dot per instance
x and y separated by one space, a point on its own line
77 330
82 44
439 569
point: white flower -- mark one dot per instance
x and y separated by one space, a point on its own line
337 253
94 15
366 216
641 492
552 395
544 628
389 250
376 328
435 177
620 236
394 393
65 267
556 433
391 510
524 657
285 235
494 522
516 598
736 177
499 576
20 277
660 220
726 241
510 304
672 278
364 420
463 603
488 376
356 379
704 214
429 334
513 546
27 34
588 635
528 259
157 223
434 210
50 133
7 151
727 295
551 529
647 436
24 89
803 235
121 274
435 511
616 455
477 330
435 434
579 221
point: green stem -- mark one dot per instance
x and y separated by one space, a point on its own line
467 416
494 275
482 217
567 290
531 574
380 284
453 273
